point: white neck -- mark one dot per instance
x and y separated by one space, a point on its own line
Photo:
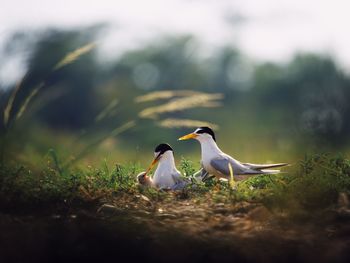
166 161
209 147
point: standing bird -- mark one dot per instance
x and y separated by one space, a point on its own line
218 163
166 175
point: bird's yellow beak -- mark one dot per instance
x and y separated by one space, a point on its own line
188 136
152 164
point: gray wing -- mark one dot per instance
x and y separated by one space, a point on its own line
264 166
180 183
201 175
221 165
176 176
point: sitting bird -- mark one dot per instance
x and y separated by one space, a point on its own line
166 175
216 162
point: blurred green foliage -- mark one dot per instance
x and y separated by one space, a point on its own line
270 111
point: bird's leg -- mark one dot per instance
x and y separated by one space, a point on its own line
232 180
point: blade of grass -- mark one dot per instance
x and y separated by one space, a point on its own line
196 101
187 123
105 167
28 99
107 110
165 94
74 55
11 100
55 160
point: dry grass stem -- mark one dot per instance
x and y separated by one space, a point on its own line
107 110
185 123
9 105
165 94
203 100
28 99
74 55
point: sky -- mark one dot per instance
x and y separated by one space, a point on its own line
265 30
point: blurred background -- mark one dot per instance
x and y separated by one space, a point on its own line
106 81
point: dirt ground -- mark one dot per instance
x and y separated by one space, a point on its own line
181 231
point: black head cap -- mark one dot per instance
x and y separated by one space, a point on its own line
162 148
206 130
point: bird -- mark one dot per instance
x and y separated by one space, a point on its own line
217 163
166 175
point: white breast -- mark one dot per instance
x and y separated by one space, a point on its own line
163 176
209 151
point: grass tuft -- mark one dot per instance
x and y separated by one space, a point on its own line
314 184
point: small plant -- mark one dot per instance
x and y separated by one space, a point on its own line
125 176
187 167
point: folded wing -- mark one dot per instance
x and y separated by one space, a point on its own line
221 165
180 183
264 166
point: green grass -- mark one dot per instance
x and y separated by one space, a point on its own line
314 183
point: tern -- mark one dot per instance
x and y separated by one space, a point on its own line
166 175
217 163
